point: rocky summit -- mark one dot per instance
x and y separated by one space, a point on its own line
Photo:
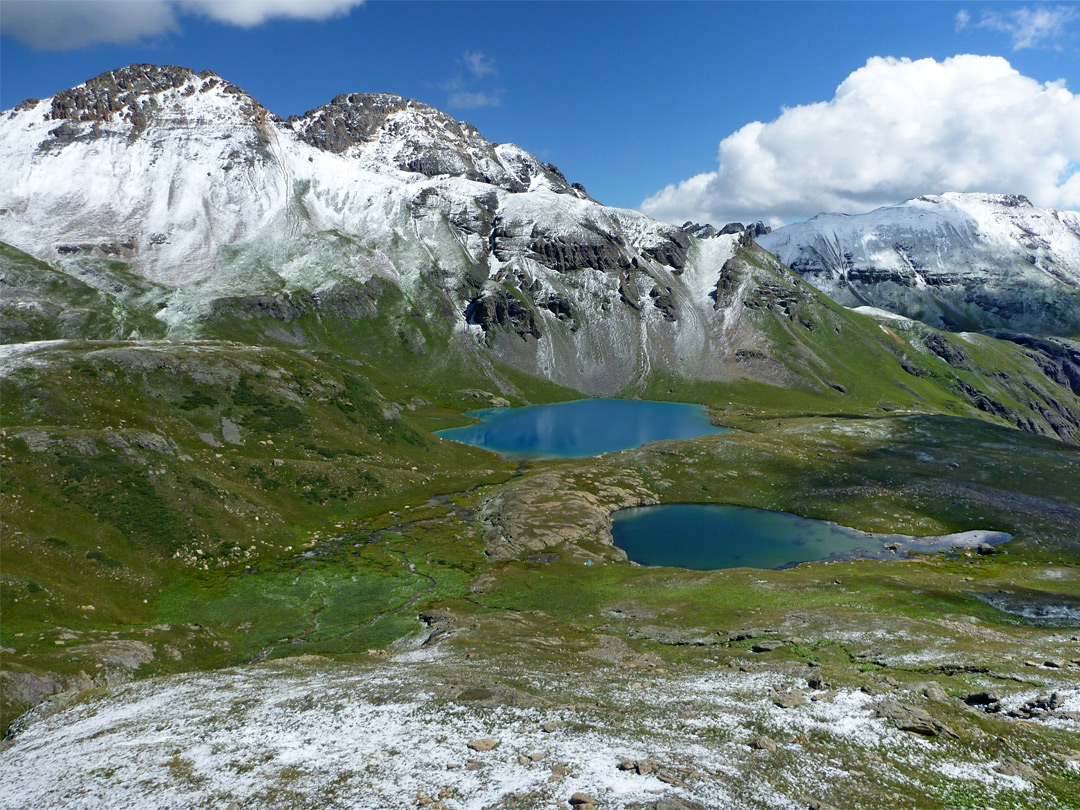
242 569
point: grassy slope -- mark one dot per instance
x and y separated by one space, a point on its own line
318 534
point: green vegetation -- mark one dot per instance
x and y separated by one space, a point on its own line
225 503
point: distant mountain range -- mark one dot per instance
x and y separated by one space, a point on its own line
957 261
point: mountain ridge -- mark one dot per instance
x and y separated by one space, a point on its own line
961 261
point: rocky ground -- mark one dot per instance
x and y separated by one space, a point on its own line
573 720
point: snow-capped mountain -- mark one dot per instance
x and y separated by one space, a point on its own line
211 199
159 202
960 261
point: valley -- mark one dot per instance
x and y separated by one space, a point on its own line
236 548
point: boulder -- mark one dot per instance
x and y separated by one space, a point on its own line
1012 767
913 719
932 690
763 744
790 699
766 646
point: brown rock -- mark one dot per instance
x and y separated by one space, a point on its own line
790 699
763 744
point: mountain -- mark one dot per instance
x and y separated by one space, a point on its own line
956 261
158 202
227 344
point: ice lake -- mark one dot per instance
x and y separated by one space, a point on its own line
706 537
586 427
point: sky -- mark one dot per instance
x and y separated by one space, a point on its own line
707 111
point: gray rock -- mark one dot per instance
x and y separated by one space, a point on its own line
230 431
37 441
982 698
766 646
123 653
638 766
1012 767
913 719
149 441
582 800
82 444
484 744
115 440
934 691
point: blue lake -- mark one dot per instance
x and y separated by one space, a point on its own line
586 427
706 537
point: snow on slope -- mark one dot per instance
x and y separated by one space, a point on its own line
210 168
958 260
191 183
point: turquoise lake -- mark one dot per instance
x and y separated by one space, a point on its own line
707 537
586 427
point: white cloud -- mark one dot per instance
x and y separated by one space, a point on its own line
895 129
248 13
68 24
1043 26
479 64
470 101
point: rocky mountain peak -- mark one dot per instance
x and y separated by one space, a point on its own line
708 231
138 95
352 119
110 93
416 137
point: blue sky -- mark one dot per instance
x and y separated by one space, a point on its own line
627 98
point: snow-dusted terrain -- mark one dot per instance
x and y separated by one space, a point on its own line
955 260
318 734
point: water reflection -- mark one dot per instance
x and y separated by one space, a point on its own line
583 428
706 537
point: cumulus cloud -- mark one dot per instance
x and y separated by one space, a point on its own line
68 24
1043 26
895 129
76 24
